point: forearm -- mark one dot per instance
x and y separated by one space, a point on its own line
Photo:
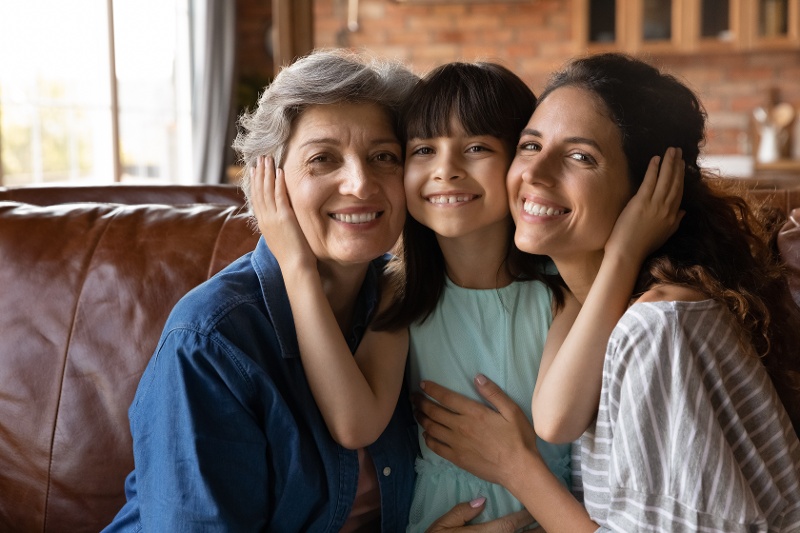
550 503
355 410
568 387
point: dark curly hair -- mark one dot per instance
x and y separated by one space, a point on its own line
722 247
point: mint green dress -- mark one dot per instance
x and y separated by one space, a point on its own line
499 333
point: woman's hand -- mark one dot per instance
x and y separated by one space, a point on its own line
653 214
276 218
500 447
456 520
491 444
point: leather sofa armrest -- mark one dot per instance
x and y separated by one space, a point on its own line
85 291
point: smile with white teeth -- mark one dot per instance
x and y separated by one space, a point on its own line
354 218
450 199
539 210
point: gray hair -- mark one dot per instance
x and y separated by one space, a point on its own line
322 77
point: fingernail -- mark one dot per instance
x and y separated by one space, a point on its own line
477 502
422 385
480 379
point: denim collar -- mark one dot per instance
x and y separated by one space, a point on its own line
279 310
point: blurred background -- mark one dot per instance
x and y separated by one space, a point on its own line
101 91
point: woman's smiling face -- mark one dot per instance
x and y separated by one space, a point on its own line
569 181
344 175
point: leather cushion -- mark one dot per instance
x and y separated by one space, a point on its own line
85 290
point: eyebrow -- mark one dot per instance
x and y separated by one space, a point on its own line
569 140
335 141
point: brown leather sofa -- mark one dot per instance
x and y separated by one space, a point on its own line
88 276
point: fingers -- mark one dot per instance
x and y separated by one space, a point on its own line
457 517
650 180
434 419
263 187
675 193
453 401
512 522
494 395
668 188
281 195
257 186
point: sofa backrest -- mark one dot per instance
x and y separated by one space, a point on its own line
85 289
125 194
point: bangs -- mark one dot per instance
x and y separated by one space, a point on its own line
472 97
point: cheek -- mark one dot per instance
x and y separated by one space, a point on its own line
411 179
411 189
512 188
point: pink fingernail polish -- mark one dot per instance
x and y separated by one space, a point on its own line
477 502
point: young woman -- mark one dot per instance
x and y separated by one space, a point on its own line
686 415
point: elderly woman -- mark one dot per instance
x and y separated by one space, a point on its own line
226 433
688 415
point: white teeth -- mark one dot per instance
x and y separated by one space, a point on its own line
445 199
540 210
356 218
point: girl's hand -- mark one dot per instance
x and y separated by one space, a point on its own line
486 442
653 214
276 218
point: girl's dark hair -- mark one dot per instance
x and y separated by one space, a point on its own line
484 99
722 246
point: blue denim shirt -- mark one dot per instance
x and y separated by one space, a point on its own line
226 433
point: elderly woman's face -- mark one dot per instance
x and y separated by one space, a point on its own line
344 175
568 182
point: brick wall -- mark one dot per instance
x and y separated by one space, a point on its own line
533 38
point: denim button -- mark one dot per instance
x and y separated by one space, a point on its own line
387 471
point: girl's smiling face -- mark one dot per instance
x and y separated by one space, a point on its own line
569 180
455 184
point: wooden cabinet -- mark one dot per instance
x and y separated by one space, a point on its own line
670 26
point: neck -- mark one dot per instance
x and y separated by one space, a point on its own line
579 272
478 261
341 285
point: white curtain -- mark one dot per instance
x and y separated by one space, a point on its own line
213 45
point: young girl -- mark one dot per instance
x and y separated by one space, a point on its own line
471 301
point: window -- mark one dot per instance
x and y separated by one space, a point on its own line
65 116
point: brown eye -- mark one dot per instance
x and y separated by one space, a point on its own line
582 157
422 150
387 157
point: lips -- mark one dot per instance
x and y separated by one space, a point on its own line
356 218
540 210
440 199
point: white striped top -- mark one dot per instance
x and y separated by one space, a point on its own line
690 434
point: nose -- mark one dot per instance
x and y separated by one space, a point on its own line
448 168
537 169
358 180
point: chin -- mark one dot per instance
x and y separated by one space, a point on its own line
530 244
363 254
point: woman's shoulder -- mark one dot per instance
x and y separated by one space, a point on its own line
671 293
